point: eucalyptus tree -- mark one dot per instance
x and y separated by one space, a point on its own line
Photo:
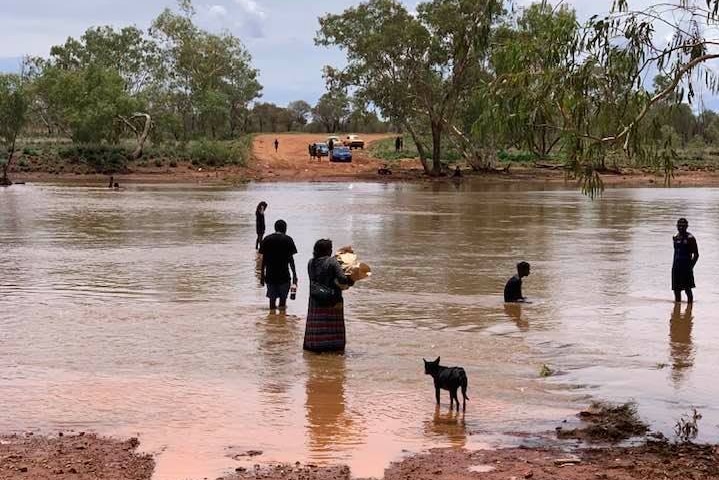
602 105
209 77
13 110
416 67
332 110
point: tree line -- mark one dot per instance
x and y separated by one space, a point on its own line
173 82
477 75
481 76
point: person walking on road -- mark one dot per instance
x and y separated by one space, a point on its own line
277 145
278 251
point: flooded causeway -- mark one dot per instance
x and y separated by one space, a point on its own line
138 312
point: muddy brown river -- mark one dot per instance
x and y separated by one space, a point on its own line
138 312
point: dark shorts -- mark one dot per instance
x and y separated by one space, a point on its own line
278 290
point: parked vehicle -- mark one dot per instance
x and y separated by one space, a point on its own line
341 154
337 141
353 141
321 149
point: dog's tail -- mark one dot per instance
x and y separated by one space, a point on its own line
463 384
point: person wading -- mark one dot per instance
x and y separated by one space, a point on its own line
686 255
260 223
325 329
277 254
513 288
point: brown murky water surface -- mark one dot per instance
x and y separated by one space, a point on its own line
138 312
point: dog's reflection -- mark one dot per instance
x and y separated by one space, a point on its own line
449 424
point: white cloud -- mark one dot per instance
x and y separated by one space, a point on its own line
217 11
251 7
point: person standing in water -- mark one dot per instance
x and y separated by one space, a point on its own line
325 327
686 255
260 223
513 288
278 251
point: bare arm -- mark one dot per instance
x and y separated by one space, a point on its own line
695 253
294 271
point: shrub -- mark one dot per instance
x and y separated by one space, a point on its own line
98 158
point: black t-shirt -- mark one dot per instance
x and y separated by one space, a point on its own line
513 289
277 250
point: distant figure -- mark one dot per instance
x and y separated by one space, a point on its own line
331 146
277 252
116 186
384 170
325 328
112 182
260 223
513 288
277 145
686 255
311 150
401 143
457 172
397 144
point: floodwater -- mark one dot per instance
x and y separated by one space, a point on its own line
138 312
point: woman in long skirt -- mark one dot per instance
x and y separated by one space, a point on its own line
325 329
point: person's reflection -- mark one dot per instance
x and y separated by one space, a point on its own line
680 341
514 312
258 268
278 340
328 424
449 424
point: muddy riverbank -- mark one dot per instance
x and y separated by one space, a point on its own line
291 163
89 457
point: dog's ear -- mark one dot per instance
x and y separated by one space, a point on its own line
437 361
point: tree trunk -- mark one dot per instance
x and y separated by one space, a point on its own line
5 180
141 136
436 150
420 149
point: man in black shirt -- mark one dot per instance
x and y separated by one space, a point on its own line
513 288
277 252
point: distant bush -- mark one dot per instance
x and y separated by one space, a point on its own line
217 154
517 157
104 159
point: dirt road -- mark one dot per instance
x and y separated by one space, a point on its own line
292 160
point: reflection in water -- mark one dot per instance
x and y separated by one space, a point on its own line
514 312
278 334
258 267
450 425
680 342
328 422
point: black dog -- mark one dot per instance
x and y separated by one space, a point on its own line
448 378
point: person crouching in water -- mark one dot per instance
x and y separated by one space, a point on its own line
513 288
277 252
325 328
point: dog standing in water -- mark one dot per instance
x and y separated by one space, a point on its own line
448 378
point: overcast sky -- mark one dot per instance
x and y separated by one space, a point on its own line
278 33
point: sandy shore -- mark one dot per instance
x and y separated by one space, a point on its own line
291 163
